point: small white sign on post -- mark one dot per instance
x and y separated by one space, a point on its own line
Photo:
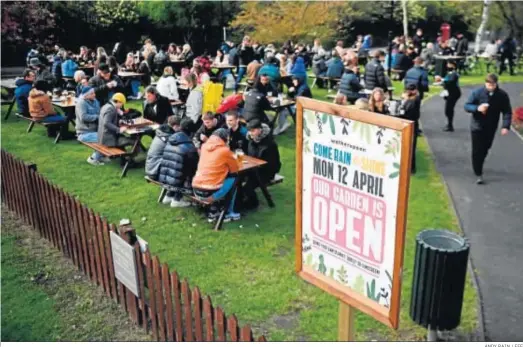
124 261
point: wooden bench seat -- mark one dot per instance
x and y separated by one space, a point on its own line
111 152
33 121
331 96
276 180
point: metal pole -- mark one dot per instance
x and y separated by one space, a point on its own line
432 334
389 62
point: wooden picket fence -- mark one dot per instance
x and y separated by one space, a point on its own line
167 306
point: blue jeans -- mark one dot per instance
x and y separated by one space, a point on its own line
54 118
241 72
91 137
228 185
135 87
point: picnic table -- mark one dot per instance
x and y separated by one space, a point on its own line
250 164
9 99
129 74
139 127
440 63
67 105
221 67
87 68
278 106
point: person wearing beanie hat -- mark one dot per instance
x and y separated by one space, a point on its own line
42 110
109 131
102 83
217 172
486 104
87 112
261 145
173 160
210 124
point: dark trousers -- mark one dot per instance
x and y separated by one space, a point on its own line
481 143
510 64
450 103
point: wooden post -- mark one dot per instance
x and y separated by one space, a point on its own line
346 322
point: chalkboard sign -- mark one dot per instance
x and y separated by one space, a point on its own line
124 261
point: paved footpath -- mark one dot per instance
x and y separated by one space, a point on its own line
491 215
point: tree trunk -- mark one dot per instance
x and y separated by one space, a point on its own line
482 25
405 19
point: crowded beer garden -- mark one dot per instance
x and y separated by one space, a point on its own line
262 171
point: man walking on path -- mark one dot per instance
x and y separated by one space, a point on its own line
486 104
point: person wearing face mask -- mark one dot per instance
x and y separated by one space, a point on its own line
486 104
453 93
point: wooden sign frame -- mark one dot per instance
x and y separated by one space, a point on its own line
389 317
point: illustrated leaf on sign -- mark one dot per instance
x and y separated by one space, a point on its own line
371 291
359 285
324 118
394 174
367 133
333 127
308 259
306 128
396 166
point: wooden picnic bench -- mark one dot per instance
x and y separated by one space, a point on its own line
110 152
329 80
33 121
9 98
224 203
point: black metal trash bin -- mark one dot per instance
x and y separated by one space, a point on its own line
438 283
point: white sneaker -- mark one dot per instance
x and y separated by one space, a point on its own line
105 159
276 131
167 200
139 96
180 203
94 162
285 126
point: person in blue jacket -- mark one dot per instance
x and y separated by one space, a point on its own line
350 85
367 42
271 69
298 68
334 68
418 76
486 104
23 87
69 66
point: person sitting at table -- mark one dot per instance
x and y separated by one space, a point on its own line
178 162
194 102
263 84
171 52
252 70
217 174
87 112
187 53
220 57
403 63
156 107
319 67
23 87
350 85
259 51
255 105
145 68
83 56
237 131
42 74
102 84
419 76
41 109
334 68
199 70
101 57
210 124
444 49
155 152
109 131
377 102
56 68
262 146
298 69
375 73
271 68
69 66
167 86
283 64
81 81
129 65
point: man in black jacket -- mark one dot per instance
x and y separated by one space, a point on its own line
102 84
256 103
156 108
375 73
210 124
486 104
237 132
42 73
262 146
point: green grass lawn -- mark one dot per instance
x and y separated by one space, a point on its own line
45 299
248 267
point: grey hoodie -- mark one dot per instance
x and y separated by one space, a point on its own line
193 105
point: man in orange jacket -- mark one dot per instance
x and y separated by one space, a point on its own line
217 173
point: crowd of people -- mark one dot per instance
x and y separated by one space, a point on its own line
198 150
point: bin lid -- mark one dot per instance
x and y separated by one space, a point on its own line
443 240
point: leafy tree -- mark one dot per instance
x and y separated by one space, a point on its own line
27 22
116 13
296 20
